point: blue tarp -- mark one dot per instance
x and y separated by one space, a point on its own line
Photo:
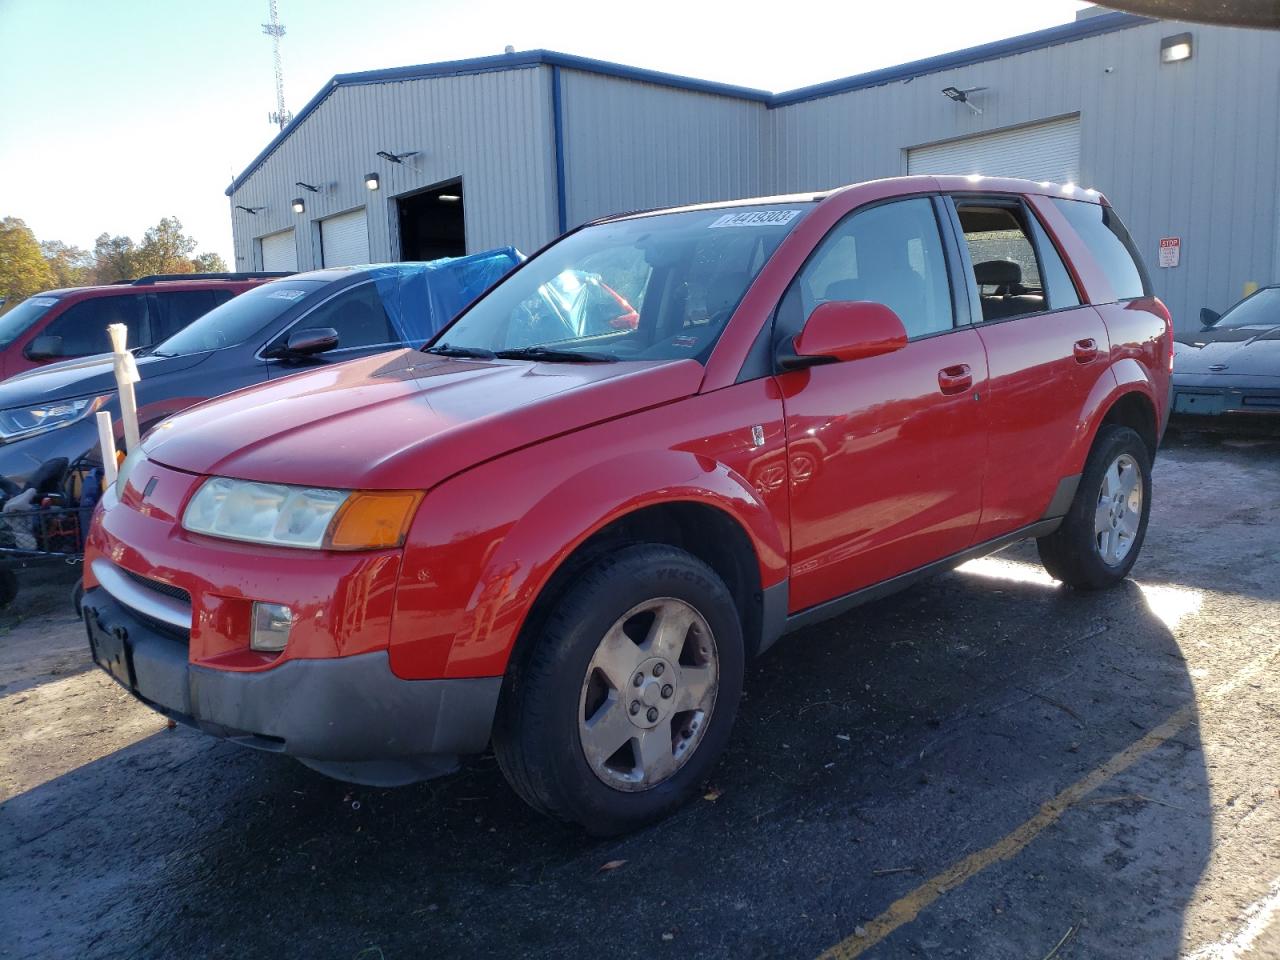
422 297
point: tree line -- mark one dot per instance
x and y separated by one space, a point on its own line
28 265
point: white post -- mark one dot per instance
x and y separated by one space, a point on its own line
107 440
126 377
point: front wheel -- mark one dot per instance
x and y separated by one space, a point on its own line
1099 539
625 701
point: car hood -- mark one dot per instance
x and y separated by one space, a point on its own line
82 377
1230 351
405 419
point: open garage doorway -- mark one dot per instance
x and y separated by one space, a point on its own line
432 223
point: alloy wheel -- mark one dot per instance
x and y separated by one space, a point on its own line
648 694
1119 511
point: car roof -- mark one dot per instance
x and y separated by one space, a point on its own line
124 287
974 183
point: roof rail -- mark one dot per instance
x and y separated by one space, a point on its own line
166 277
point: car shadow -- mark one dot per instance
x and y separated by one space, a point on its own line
871 753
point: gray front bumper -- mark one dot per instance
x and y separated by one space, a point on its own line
350 717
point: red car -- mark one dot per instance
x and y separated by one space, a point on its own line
569 544
64 324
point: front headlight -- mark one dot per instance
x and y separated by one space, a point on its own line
23 422
309 517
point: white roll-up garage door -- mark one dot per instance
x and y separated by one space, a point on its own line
279 251
1041 151
344 239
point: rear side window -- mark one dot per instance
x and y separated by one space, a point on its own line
889 254
83 326
1107 239
1003 257
1057 281
177 309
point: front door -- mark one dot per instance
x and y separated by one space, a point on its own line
885 454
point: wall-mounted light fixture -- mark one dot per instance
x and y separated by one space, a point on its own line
307 186
250 210
449 197
397 157
957 95
1176 48
371 181
299 206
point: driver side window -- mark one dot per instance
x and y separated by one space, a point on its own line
890 254
357 314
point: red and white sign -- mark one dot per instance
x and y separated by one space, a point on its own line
1170 251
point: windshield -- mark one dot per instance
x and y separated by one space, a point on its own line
649 288
1261 309
19 320
239 318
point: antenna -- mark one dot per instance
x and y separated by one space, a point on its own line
275 30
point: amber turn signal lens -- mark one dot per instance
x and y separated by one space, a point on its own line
373 520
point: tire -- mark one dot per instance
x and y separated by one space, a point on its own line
645 611
77 595
8 587
1101 536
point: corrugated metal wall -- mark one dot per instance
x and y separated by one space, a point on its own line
631 146
1187 149
492 129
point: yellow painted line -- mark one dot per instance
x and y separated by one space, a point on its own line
908 908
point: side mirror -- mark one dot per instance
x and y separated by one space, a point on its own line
848 330
1209 317
305 343
44 348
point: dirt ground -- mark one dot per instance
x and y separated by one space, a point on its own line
985 766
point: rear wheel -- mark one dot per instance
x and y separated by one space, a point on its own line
1100 538
625 701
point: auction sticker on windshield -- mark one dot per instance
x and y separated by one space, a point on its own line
286 294
756 218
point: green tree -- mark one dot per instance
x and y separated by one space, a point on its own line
71 266
23 270
165 249
209 263
114 258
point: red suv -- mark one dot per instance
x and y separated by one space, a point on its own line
568 543
62 324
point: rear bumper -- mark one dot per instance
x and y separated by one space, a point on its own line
348 717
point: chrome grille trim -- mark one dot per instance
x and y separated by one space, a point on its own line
150 603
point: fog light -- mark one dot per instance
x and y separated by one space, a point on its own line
271 624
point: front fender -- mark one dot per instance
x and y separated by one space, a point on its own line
486 542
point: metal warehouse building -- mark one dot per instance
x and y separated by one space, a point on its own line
1177 123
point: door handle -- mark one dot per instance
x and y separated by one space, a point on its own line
955 379
1086 351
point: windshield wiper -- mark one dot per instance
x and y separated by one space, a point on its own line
555 356
448 350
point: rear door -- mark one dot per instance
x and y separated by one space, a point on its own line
1046 352
885 454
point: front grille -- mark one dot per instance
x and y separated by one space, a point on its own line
159 586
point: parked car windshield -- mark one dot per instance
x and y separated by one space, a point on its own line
1261 309
239 318
18 321
655 287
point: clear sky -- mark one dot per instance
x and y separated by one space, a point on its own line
115 113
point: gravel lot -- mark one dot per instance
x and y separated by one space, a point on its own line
985 766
